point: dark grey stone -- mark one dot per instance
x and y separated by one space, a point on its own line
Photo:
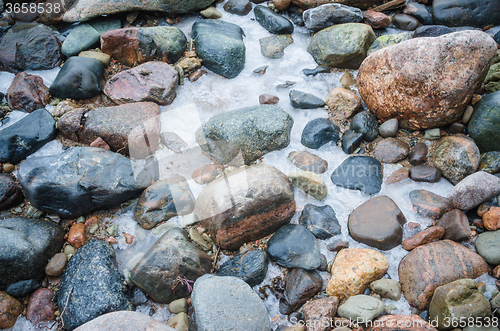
271 21
420 12
329 14
484 125
366 124
319 132
10 192
362 173
304 100
320 220
315 71
425 173
475 13
405 22
22 288
250 266
431 31
238 7
351 141
300 286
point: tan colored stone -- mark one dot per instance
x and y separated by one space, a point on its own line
491 219
309 182
10 309
100 56
424 237
397 176
180 322
342 103
56 265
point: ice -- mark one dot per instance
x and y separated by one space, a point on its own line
48 77
13 117
22 324
53 147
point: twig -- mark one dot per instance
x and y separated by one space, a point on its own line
214 262
64 310
389 5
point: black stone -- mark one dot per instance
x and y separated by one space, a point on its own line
420 12
286 84
250 266
496 37
362 173
26 247
319 132
91 286
300 286
26 136
351 141
475 13
432 31
366 124
10 192
320 220
295 14
303 100
238 7
22 288
484 125
79 78
425 173
315 71
271 21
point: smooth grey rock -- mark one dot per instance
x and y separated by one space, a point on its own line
319 132
362 173
361 308
330 14
86 35
365 123
473 190
488 246
304 100
389 128
271 21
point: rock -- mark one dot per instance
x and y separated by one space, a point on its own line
432 134
87 179
456 225
389 128
29 47
320 220
376 20
268 99
86 35
26 136
271 21
307 161
27 93
27 245
363 4
397 176
388 40
477 13
425 173
122 320
317 70
483 125
342 46
10 192
378 223
173 142
22 288
353 270
250 266
418 11
178 306
238 7
412 91
281 5
361 308
319 313
387 288
211 12
172 258
400 323
220 45
474 190
309 182
79 78
319 132
366 124
10 309
91 285
303 100
405 22
491 219
432 31
180 322
56 265
363 173
154 81
487 245
207 174
300 286
457 128
460 299
76 235
456 157
100 56
492 80
227 303
351 141
40 306
163 200
428 204
330 14
391 150
273 47
422 270
490 162
418 154
251 131
342 103
424 237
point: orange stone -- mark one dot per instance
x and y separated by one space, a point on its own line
128 238
424 237
112 240
91 221
491 219
482 209
496 272
397 176
76 235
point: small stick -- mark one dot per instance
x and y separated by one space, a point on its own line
64 310
389 5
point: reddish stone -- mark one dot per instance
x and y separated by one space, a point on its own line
195 75
413 225
400 323
456 225
268 99
478 223
300 286
10 192
397 176
319 313
128 238
496 272
391 150
91 221
418 154
424 237
425 173
40 306
491 219
376 20
27 92
99 143
10 309
206 174
362 4
428 204
482 209
76 235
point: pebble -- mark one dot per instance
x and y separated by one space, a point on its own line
387 288
211 12
424 237
467 114
69 250
316 312
10 309
56 265
318 132
342 103
490 162
418 154
428 204
76 235
41 307
491 219
425 173
366 124
456 225
128 238
238 7
320 220
179 322
309 182
337 245
351 141
474 190
207 174
389 128
405 22
432 134
281 5
391 150
178 306
303 100
397 176
250 266
261 70
361 308
8 167
22 288
456 128
376 20
268 99
307 161
362 173
300 286
315 71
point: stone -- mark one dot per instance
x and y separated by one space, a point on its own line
307 161
329 14
247 205
173 142
492 80
29 47
389 128
412 90
238 7
273 47
319 132
423 270
424 237
122 320
456 225
418 11
11 192
40 307
91 285
309 182
319 313
303 100
405 22
99 143
353 270
491 219
490 162
457 157
26 136
365 123
293 246
477 13
397 176
351 141
361 308
388 40
400 323
300 286
100 56
207 174
428 204
247 133
487 245
362 4
460 299
378 223
10 309
432 31
22 288
220 45
250 266
320 220
211 12
418 154
483 125
163 200
86 35
27 93
387 288
432 134
154 81
227 303
337 246
180 322
87 179
56 265
178 306
76 235
171 259
363 173
425 173
272 22
342 103
474 190
376 20
268 99
281 5
342 46
79 78
315 71
391 150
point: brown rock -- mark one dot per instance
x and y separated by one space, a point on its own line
425 173
8 167
268 99
391 150
496 272
27 92
413 225
435 264
491 219
425 82
56 265
99 143
282 5
206 174
482 209
376 20
353 270
70 123
424 237
154 81
128 238
397 176
308 162
10 309
300 286
400 323
195 75
342 103
456 225
76 235
429 204
124 320
337 245
40 306
456 157
319 313
10 192
418 154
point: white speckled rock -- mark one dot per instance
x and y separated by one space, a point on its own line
473 190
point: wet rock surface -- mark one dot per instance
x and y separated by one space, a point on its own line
320 220
27 93
456 157
362 173
307 161
429 204
300 286
10 192
250 267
